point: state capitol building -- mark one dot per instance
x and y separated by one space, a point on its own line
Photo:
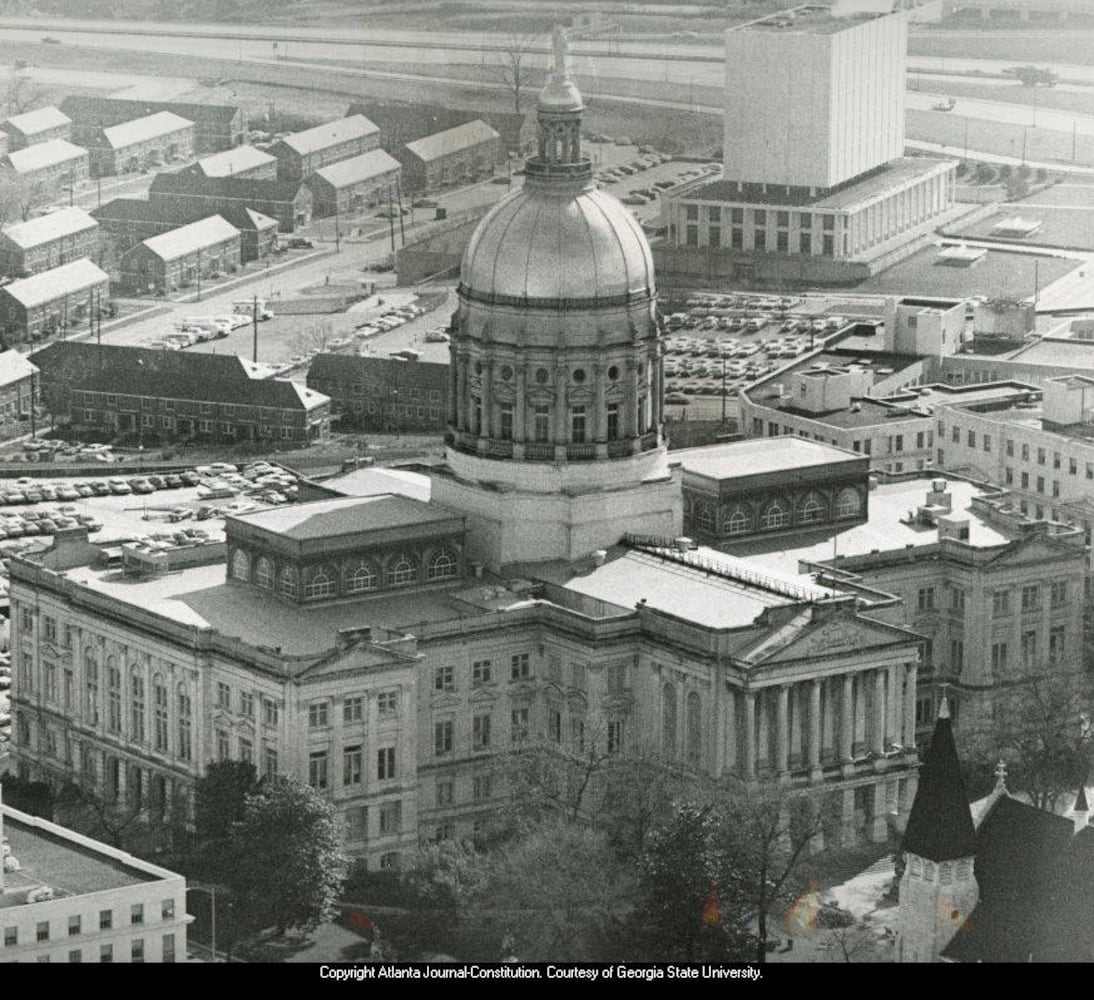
389 650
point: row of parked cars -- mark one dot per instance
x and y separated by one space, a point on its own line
46 522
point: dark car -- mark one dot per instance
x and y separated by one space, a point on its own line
173 482
190 478
158 481
299 243
100 489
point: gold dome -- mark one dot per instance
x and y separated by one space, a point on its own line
557 243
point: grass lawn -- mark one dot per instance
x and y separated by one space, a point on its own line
1023 43
999 273
1061 227
1000 138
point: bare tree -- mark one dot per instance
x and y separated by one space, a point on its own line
514 69
1040 726
18 195
25 94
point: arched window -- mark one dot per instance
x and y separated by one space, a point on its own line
441 567
668 722
694 734
704 517
114 695
848 503
738 522
264 573
402 572
813 509
286 581
159 722
91 684
362 578
136 701
775 516
318 585
186 709
241 565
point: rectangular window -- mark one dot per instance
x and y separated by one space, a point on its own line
1000 603
956 435
106 953
73 926
480 787
356 823
577 424
106 919
1029 648
541 424
1010 447
271 762
76 955
352 765
480 673
505 413
317 714
352 709
224 695
168 947
317 769
387 704
480 732
987 442
1040 456
167 910
11 937
1058 593
714 236
957 600
805 243
269 711
1072 467
520 667
1056 460
518 729
136 950
1031 597
926 599
999 657
554 725
136 914
759 239
442 737
444 679
577 735
1056 643
43 930
246 704
615 736
446 793
957 654
224 750
1025 480
391 818
385 763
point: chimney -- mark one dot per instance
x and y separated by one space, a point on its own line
478 568
600 556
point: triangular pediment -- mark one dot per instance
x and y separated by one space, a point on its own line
806 637
1034 550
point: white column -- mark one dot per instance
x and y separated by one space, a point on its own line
847 719
749 763
781 735
814 748
878 742
910 676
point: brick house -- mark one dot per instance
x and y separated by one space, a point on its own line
42 125
289 202
17 377
54 300
48 241
350 186
53 166
216 126
133 146
456 156
180 257
303 153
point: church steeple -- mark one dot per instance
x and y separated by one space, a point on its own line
938 889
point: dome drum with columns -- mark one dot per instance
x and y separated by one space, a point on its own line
555 353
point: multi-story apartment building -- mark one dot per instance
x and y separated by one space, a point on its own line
458 155
303 153
129 221
170 395
242 161
42 125
48 241
350 186
17 392
50 167
151 141
289 202
216 126
68 898
382 393
182 257
53 300
401 122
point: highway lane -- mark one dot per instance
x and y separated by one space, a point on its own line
1011 114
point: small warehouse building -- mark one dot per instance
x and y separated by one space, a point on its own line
182 257
216 126
42 125
129 221
289 202
52 166
51 302
243 161
47 242
303 153
138 145
350 186
456 156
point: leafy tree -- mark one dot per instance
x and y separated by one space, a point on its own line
287 867
220 797
438 889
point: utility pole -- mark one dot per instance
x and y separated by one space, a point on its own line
1025 133
399 194
391 221
1036 281
723 392
337 232
254 323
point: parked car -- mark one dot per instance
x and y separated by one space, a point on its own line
119 487
299 243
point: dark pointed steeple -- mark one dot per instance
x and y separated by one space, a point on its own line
940 825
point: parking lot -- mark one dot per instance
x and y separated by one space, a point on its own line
161 509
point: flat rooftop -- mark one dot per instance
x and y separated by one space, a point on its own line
884 531
756 456
68 867
809 19
732 596
894 177
372 481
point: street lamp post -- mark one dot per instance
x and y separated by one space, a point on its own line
211 889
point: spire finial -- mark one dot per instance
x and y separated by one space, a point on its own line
1001 775
944 706
561 50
